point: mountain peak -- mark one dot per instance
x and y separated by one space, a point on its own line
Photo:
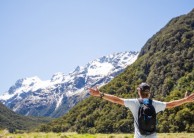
24 82
57 77
78 69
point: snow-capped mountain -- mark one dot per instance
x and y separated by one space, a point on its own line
54 97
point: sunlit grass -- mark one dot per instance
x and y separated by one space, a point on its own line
5 134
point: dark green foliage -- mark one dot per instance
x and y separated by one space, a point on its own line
14 122
166 62
180 118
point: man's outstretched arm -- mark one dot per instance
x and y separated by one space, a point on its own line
107 97
176 103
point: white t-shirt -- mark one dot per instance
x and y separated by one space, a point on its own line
133 105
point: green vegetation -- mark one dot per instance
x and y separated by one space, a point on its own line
5 134
167 63
14 122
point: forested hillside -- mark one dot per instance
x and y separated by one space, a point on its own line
12 121
166 62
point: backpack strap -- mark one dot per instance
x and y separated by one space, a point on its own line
150 101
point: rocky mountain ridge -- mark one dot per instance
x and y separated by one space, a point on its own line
54 97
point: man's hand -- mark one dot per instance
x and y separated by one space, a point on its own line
94 92
189 98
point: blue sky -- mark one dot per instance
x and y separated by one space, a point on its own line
42 37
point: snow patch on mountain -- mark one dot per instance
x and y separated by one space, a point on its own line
102 68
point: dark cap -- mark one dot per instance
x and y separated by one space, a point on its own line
144 87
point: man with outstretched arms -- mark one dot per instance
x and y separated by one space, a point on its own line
135 104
